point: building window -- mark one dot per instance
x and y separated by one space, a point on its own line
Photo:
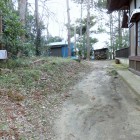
139 33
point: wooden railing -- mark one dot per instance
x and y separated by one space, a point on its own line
134 64
122 53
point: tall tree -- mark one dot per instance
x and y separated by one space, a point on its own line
111 37
0 29
22 7
75 36
81 18
11 27
88 4
82 41
38 31
88 32
119 29
68 27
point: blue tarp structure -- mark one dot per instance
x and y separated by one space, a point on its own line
60 49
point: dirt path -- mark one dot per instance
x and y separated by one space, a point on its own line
100 107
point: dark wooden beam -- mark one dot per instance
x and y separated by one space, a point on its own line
135 4
125 20
113 5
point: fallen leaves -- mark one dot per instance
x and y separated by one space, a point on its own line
15 96
31 97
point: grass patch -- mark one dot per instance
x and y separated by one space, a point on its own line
27 102
120 66
42 74
29 76
15 63
113 73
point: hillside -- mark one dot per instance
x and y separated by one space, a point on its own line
31 93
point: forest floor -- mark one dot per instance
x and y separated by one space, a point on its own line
61 99
32 92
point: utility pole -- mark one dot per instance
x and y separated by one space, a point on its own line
68 27
88 32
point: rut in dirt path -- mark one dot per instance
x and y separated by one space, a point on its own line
100 107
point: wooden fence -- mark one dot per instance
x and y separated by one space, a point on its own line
123 53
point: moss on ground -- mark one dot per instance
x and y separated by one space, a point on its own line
119 66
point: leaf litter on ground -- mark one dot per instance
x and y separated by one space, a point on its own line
32 91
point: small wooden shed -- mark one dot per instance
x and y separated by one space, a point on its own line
101 54
60 49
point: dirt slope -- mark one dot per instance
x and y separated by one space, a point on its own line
100 107
31 93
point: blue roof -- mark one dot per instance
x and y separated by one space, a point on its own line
58 43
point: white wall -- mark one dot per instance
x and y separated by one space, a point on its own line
132 6
124 61
138 3
3 54
138 6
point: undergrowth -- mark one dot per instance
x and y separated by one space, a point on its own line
46 75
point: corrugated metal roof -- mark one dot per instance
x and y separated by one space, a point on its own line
58 43
105 48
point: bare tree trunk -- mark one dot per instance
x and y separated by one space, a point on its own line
22 7
0 24
0 31
119 30
68 26
75 37
81 18
88 32
111 38
111 35
38 35
47 31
